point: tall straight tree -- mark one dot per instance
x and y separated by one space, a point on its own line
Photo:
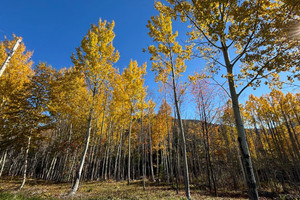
169 63
131 90
150 113
95 59
257 32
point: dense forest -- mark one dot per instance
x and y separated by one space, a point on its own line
91 122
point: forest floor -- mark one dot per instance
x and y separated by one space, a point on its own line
101 190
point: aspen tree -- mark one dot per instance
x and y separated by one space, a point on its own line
130 89
94 58
151 113
169 63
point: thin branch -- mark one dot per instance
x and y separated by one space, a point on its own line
196 25
244 50
249 83
258 73
230 44
215 60
247 44
221 85
290 84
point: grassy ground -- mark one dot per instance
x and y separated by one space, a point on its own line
99 190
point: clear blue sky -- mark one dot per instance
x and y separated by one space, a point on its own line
52 29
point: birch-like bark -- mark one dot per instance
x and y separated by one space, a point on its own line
246 158
10 55
170 155
120 157
129 137
3 162
25 164
143 154
117 156
151 152
108 151
87 141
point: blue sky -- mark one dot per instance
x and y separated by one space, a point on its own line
52 29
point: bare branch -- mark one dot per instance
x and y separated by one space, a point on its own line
221 85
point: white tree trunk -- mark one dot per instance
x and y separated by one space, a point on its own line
128 170
25 164
87 141
245 154
3 160
4 65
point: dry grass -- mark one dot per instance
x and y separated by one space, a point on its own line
94 190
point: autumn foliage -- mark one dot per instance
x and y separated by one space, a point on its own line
94 121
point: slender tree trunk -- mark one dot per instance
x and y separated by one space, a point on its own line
166 164
151 152
185 163
144 153
94 158
170 153
100 174
157 165
178 173
123 168
145 163
208 155
129 136
72 166
117 156
103 163
109 163
3 160
108 151
34 168
120 157
87 141
206 149
51 167
292 139
25 164
139 157
231 160
133 171
67 153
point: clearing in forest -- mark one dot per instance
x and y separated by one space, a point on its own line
97 190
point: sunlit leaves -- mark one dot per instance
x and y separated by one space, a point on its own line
96 55
256 30
168 53
19 115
